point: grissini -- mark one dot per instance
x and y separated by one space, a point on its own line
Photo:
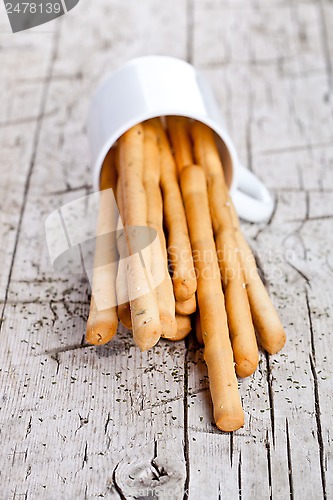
151 182
228 412
144 309
103 320
179 248
186 307
178 129
264 316
242 333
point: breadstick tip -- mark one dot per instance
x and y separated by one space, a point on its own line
246 367
147 339
276 342
168 325
184 289
101 329
229 423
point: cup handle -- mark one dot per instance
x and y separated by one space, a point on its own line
251 198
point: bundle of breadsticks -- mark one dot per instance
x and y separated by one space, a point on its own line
168 175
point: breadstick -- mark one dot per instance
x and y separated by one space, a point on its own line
103 322
228 412
184 327
178 128
187 307
123 308
144 309
242 333
264 316
179 248
151 181
198 331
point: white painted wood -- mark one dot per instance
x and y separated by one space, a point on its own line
81 422
20 110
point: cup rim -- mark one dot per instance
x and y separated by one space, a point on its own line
164 110
221 133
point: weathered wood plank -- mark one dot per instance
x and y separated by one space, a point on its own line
278 51
320 316
118 414
115 401
20 116
112 422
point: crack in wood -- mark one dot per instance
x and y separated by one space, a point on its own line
116 485
28 119
186 446
326 45
260 268
319 427
71 189
157 471
54 312
73 347
312 341
20 495
248 130
85 455
269 465
108 420
314 218
269 379
28 428
83 421
295 148
301 273
289 462
297 234
240 476
215 430
56 358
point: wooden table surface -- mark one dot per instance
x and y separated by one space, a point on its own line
83 422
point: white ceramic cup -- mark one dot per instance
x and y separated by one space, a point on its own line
152 86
